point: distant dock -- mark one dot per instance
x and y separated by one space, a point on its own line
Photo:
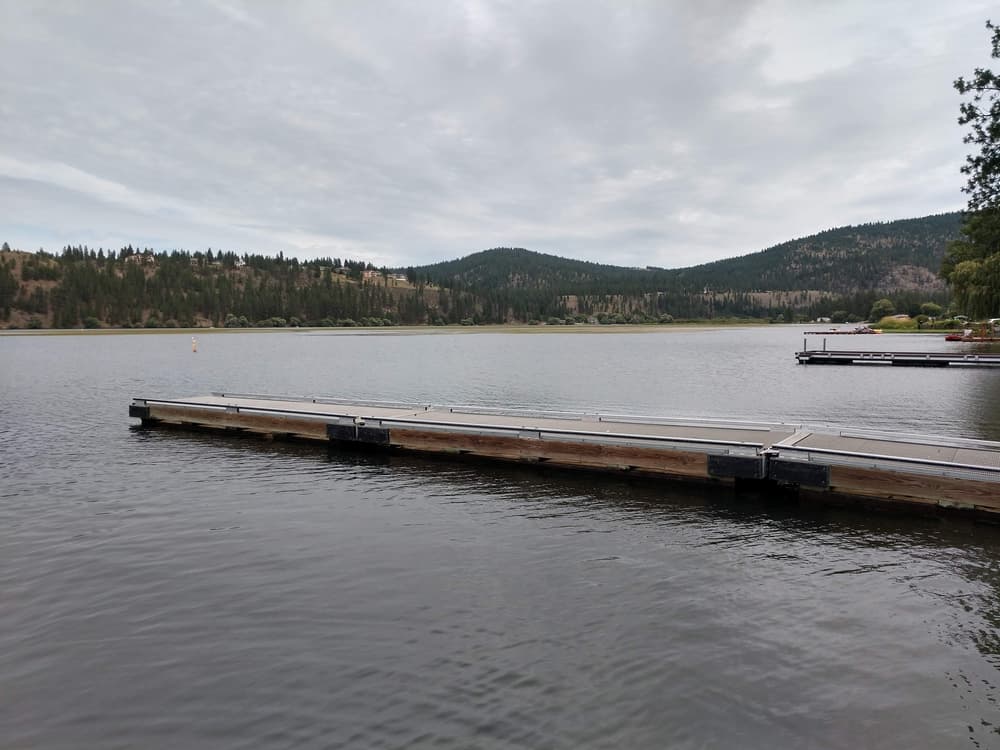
896 359
900 470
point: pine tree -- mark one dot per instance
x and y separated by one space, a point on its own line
972 264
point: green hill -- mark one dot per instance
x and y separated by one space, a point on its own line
843 268
889 256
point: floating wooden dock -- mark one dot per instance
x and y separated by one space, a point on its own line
907 470
897 359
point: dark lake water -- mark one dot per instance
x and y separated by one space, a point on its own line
172 590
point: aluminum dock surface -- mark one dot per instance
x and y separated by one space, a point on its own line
910 470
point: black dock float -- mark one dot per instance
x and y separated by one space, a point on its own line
897 359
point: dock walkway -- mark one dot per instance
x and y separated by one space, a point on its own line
897 359
907 469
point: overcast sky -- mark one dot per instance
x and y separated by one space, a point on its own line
663 133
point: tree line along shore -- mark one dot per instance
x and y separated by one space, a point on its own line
839 275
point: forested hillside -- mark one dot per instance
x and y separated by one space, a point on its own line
130 288
887 256
842 269
891 256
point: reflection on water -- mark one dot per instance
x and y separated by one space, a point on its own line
170 589
981 404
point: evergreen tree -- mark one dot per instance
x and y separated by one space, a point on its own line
972 264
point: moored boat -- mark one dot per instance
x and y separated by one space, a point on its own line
985 333
840 332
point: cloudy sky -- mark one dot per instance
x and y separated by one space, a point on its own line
666 133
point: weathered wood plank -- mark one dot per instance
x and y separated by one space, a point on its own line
263 423
891 485
557 452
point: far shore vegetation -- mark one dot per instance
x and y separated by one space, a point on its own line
889 324
542 328
837 274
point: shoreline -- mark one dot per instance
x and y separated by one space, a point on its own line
581 328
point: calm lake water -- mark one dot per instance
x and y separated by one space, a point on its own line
166 590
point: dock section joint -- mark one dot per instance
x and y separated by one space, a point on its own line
358 433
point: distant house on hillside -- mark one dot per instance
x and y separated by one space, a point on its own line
142 259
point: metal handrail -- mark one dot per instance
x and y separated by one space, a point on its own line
777 450
325 400
556 431
943 441
459 427
749 425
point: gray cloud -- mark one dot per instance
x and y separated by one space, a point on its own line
634 133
